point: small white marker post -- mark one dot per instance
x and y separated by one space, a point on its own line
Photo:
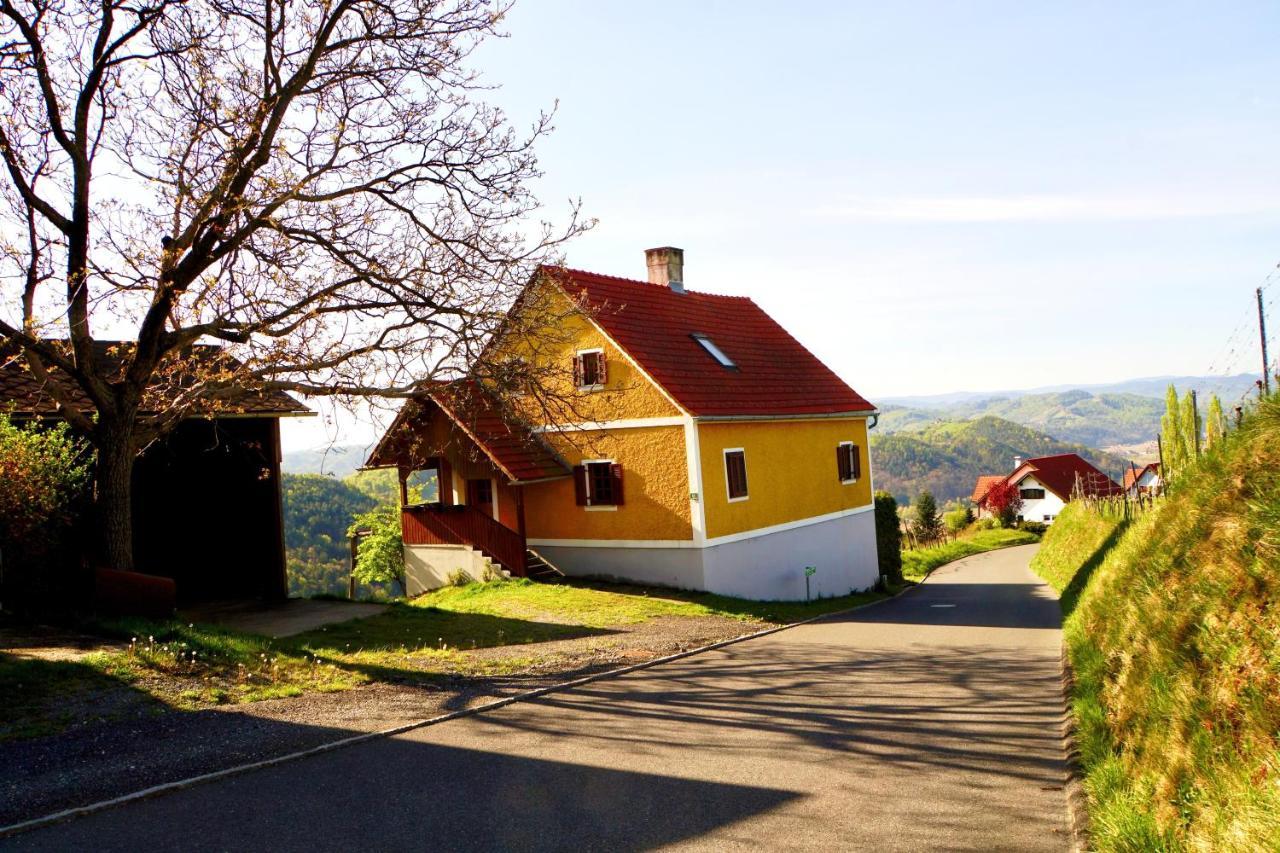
809 571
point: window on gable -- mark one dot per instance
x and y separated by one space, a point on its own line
590 369
848 462
735 474
714 351
598 483
1032 494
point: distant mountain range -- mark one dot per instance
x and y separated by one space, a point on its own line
339 460
1120 414
946 457
1152 386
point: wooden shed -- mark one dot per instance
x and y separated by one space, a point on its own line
206 497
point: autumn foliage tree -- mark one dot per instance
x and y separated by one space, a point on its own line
317 186
1004 501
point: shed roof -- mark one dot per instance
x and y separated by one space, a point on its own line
23 393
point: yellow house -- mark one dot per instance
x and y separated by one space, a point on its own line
708 449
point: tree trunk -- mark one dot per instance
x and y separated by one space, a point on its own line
116 454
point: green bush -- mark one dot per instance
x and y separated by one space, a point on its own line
888 537
1036 527
44 477
380 554
957 519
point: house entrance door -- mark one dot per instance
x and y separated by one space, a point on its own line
480 495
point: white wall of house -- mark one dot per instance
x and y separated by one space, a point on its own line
767 567
1150 481
1039 509
772 567
428 567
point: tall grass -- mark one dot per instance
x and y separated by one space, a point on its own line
1173 631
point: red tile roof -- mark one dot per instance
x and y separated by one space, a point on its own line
774 374
984 484
513 449
1060 473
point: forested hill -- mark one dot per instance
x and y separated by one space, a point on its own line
947 457
1095 420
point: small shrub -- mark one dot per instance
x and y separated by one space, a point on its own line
958 519
987 523
44 477
460 578
1036 527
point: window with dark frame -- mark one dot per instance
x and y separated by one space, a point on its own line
589 369
735 467
848 462
1032 494
598 484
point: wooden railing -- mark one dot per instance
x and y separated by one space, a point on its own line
433 524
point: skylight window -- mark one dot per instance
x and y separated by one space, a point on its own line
715 351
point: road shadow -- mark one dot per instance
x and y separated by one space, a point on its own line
402 794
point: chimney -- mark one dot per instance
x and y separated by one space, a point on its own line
1017 462
666 267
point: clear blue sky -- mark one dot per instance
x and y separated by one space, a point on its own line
931 196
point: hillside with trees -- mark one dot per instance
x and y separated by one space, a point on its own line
946 457
1079 417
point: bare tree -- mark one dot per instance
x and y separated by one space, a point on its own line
316 185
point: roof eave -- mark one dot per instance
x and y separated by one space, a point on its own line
794 416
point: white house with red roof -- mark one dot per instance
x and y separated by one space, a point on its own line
1046 484
1145 480
711 449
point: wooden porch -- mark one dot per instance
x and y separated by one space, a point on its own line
480 462
443 524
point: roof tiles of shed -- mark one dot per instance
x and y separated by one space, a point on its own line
773 375
22 392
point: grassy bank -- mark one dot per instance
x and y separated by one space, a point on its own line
1173 630
917 563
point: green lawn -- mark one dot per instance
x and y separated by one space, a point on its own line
449 632
916 564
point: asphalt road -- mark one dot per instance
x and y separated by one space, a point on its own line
933 721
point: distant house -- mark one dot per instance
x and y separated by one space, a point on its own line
206 497
984 484
1142 481
710 451
1046 484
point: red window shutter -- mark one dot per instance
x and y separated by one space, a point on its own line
616 471
602 369
577 371
580 484
842 462
855 461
